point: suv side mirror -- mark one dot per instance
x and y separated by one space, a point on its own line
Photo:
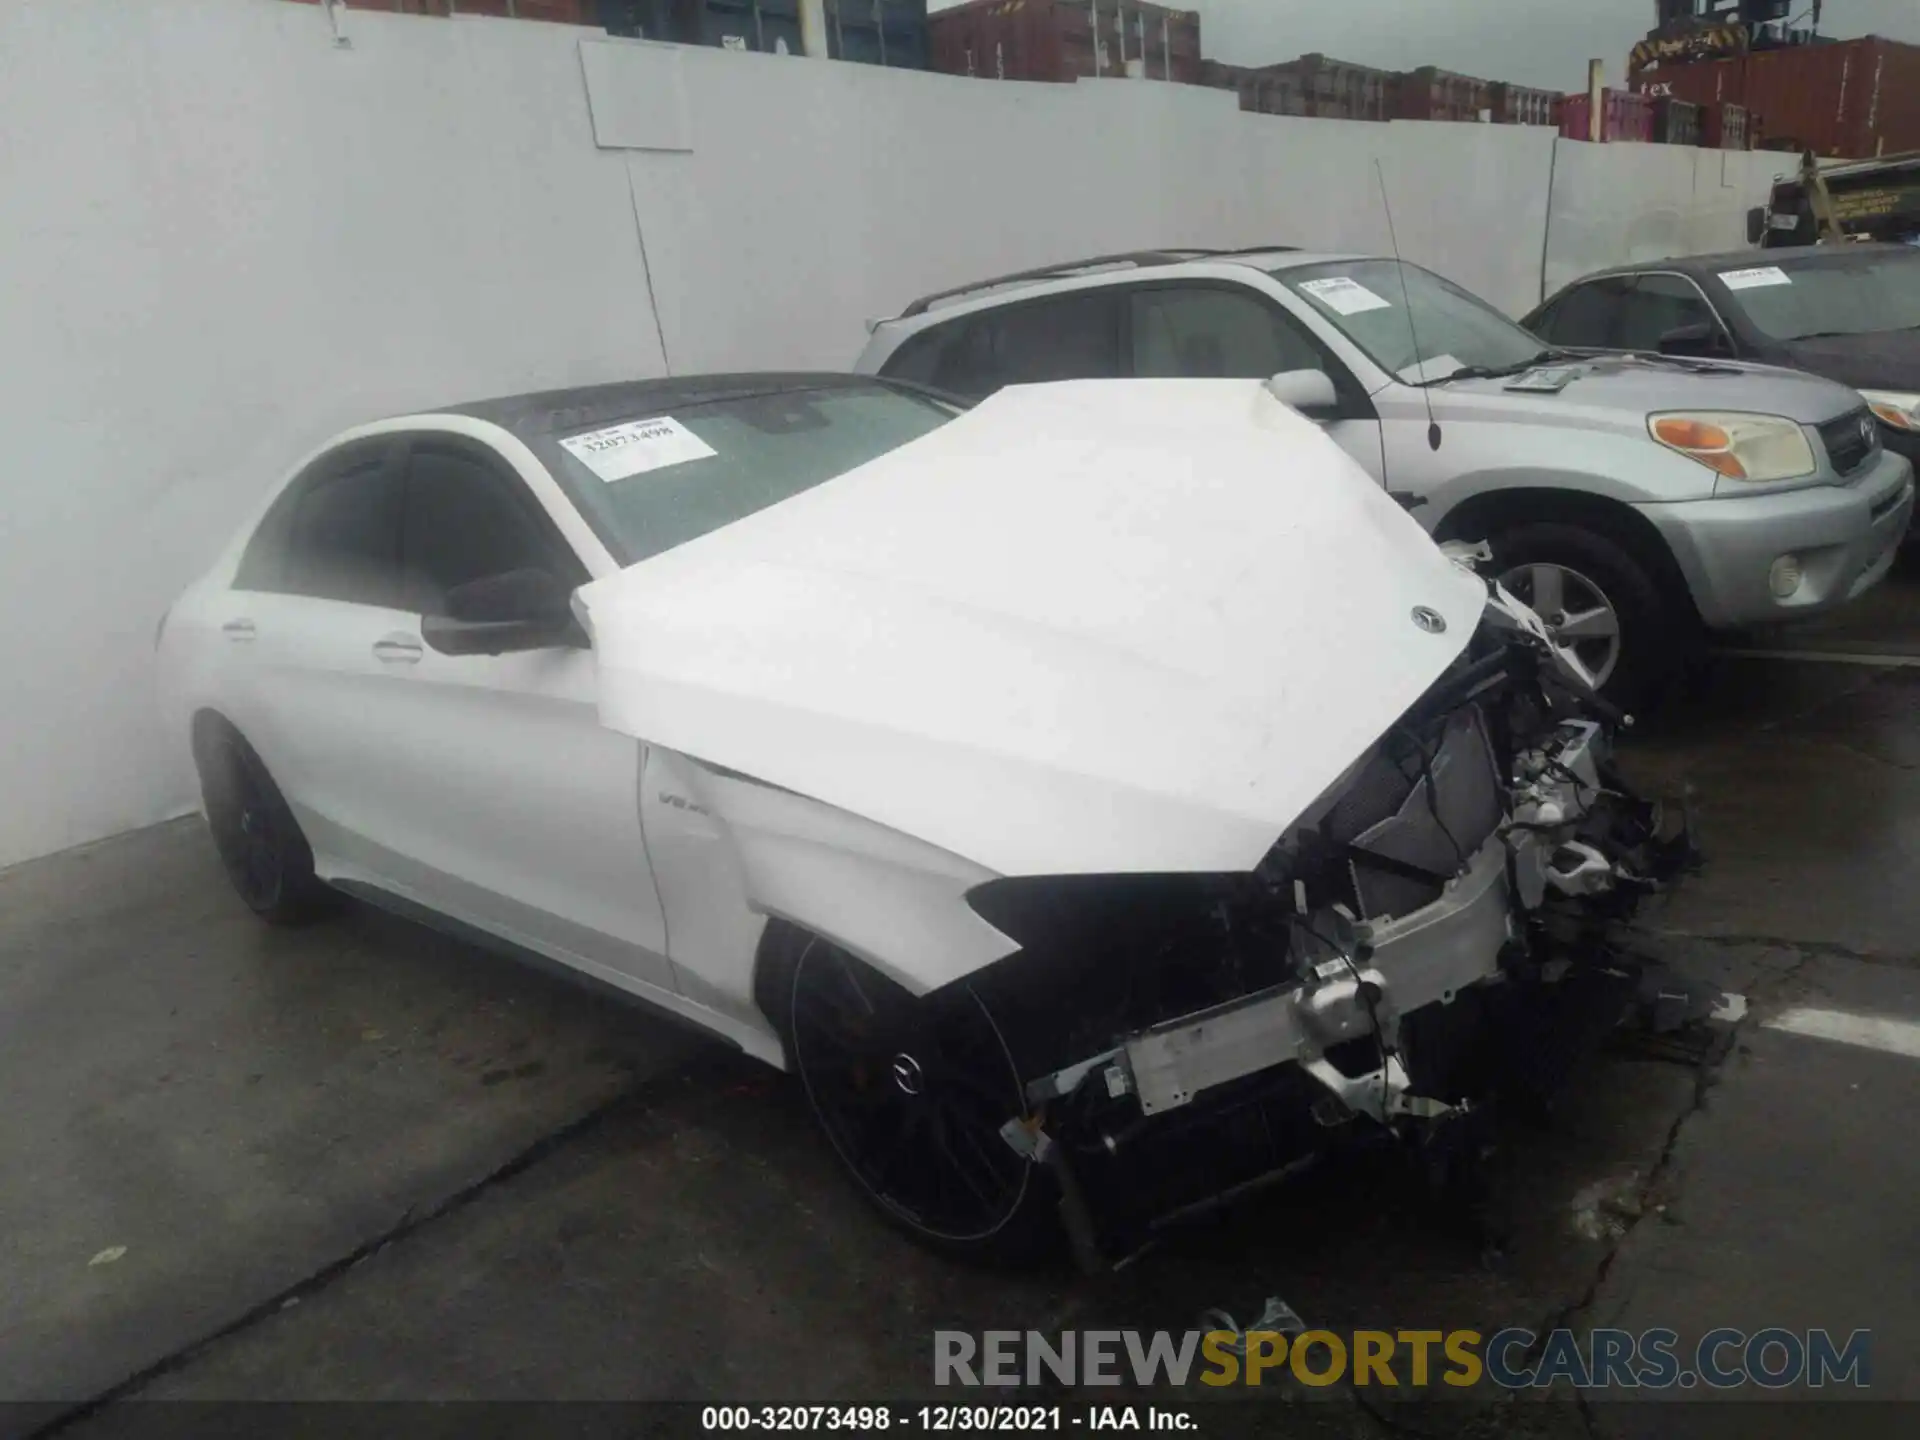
1756 224
1701 339
1310 392
497 614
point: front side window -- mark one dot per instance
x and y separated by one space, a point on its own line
1588 316
463 523
1067 337
1828 292
1212 331
343 541
648 480
1658 304
1409 321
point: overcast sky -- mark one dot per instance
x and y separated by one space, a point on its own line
1530 42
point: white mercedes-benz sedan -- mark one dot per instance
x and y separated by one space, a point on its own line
1102 799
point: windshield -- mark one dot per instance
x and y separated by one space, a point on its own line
1383 305
1829 294
655 480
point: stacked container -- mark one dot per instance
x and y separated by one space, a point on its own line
880 32
1624 116
1056 40
1522 105
1433 94
1675 122
1728 127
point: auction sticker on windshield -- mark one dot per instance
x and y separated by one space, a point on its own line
636 447
1344 296
1755 278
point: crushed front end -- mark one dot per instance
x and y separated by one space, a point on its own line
1434 932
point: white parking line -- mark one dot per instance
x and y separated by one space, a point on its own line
1826 657
1872 1032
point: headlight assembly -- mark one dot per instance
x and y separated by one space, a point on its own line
1739 446
1894 407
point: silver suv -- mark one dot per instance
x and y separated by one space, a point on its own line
1632 500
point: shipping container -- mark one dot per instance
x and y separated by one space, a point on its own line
1057 40
1727 127
1851 99
1624 116
877 32
1337 89
1677 122
566 12
1522 104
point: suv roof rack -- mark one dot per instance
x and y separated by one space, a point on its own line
1137 258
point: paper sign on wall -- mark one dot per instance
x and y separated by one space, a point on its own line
636 447
1755 278
1344 296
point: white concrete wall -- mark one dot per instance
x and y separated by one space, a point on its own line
1617 203
222 237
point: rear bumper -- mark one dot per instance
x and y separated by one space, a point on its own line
1844 536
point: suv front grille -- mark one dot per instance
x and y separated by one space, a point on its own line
1851 441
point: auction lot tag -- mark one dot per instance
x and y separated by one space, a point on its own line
1346 297
1754 279
636 447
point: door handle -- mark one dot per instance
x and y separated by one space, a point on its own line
397 650
239 631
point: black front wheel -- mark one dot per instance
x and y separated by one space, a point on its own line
912 1093
266 857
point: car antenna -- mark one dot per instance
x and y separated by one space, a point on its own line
1399 265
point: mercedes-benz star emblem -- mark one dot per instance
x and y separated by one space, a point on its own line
1431 621
906 1074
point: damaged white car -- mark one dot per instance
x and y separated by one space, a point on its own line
1101 799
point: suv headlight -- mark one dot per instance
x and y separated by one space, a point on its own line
1741 447
1894 407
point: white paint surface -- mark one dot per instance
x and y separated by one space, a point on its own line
1098 627
226 238
1870 1032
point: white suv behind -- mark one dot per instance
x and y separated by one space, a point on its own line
1632 500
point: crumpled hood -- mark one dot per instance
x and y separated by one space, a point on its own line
1620 391
1884 360
1114 626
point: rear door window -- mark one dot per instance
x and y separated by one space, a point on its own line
1066 337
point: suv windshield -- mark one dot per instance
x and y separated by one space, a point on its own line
657 479
1829 293
1383 305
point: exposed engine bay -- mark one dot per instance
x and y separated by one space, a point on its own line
1432 932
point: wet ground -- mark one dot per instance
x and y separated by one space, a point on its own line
364 1162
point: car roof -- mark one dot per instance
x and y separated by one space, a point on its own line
1100 270
1737 259
545 412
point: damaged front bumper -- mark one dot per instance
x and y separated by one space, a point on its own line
1420 927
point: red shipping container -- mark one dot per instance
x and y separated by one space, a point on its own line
1624 116
1054 40
1852 99
1727 127
1433 94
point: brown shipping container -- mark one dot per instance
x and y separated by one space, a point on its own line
1855 99
1054 40
1522 104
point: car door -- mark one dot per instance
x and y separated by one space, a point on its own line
1661 303
1587 316
1201 329
305 626
505 802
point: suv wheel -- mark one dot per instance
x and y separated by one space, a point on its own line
1598 600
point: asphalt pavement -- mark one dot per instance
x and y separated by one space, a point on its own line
364 1162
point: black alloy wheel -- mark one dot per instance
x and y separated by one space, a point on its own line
267 859
912 1094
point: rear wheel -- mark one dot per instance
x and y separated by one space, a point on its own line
911 1092
266 857
1601 601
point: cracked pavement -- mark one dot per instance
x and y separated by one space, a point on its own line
368 1162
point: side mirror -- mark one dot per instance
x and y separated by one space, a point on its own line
1701 339
1310 392
1756 224
497 614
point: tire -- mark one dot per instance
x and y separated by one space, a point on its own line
910 1094
1651 634
266 857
